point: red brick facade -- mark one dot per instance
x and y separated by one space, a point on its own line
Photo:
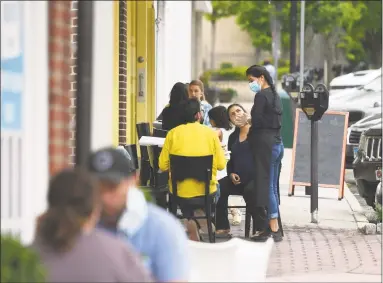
73 41
59 84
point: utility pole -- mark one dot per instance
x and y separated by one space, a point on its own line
84 81
293 36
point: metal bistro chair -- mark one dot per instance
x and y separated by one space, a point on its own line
159 133
143 129
247 217
159 183
200 169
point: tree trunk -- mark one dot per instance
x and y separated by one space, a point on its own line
329 57
213 35
257 55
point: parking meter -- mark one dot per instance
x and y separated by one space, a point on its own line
289 83
314 102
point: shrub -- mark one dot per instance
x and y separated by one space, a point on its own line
283 71
19 263
378 209
226 65
226 95
227 73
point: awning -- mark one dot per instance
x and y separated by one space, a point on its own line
203 6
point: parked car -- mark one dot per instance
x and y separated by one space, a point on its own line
378 194
359 101
355 131
352 80
368 162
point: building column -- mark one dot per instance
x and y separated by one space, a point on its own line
59 84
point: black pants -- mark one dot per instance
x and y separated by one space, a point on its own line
227 189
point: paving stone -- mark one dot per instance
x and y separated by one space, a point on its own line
306 250
369 229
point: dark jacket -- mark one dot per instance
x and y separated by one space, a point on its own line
232 138
172 116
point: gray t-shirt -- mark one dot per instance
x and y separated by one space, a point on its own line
95 257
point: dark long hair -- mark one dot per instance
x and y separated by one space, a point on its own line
258 71
72 198
178 94
220 116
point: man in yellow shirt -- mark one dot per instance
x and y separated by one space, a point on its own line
193 139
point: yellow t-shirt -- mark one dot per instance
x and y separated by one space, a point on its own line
193 139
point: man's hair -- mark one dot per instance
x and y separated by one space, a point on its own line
267 61
191 107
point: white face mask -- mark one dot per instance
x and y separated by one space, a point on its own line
135 214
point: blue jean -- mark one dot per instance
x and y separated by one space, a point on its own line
276 158
218 193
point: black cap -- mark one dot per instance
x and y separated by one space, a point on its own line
112 164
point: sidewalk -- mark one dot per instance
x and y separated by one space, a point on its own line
326 277
332 250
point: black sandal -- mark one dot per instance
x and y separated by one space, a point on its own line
260 236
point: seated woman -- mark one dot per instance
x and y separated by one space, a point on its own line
172 114
219 120
196 90
239 168
69 246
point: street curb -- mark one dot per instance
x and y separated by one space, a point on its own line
361 220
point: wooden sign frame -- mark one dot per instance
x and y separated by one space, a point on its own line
340 186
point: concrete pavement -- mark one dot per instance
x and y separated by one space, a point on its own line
331 251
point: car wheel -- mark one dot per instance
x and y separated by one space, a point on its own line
378 194
367 190
370 200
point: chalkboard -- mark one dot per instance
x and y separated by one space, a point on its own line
332 134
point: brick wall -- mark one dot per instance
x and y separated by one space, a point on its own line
72 93
122 72
59 84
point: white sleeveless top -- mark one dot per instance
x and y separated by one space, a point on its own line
225 138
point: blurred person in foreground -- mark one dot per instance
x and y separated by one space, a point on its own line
193 139
154 233
172 115
68 244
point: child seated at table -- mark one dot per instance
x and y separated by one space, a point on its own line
196 90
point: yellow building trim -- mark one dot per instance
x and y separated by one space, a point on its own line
151 62
142 61
116 74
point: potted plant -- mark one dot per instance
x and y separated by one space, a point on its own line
19 263
227 95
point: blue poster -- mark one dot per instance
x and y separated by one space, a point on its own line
12 65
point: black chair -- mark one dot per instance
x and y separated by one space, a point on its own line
159 183
159 133
132 150
247 218
200 169
143 129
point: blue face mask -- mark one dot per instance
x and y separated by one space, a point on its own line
254 86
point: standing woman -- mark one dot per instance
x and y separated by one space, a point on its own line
266 146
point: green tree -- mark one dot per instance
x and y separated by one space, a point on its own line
359 21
